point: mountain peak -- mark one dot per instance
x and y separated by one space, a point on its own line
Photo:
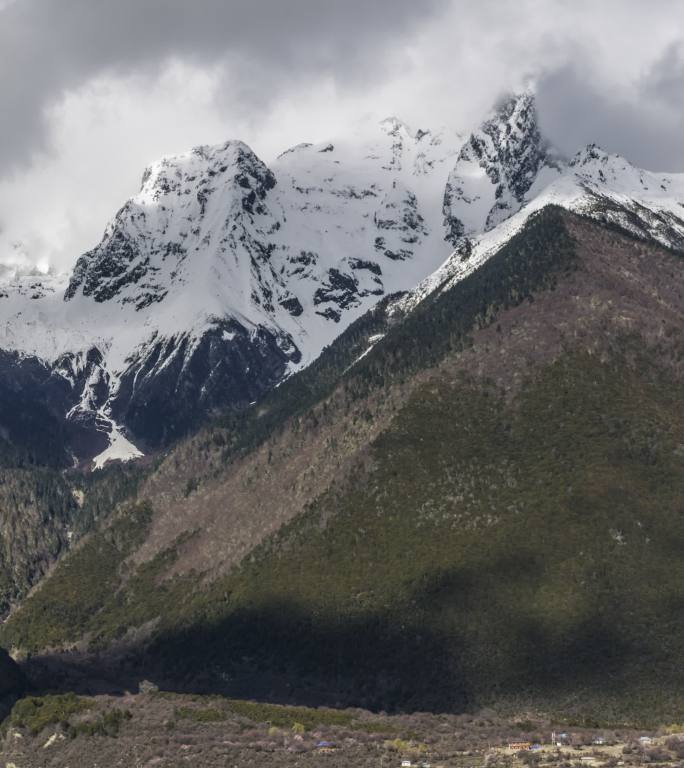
515 106
175 214
175 174
497 167
513 122
593 153
395 126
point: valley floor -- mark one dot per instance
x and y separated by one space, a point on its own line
163 729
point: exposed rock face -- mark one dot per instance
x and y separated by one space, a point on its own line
496 169
176 382
43 419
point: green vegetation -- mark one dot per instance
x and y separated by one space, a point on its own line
520 546
296 719
104 490
57 508
406 747
288 717
68 604
201 715
34 713
39 500
495 550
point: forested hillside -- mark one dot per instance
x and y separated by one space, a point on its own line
484 507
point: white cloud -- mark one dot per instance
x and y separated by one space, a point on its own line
102 126
101 137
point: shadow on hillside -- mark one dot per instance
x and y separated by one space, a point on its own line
277 654
283 654
460 640
520 647
84 674
465 635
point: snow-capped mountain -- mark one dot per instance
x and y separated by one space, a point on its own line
224 275
507 171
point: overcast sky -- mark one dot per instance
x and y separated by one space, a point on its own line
91 91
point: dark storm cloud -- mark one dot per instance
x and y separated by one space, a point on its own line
643 122
49 46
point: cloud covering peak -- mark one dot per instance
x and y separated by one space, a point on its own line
92 91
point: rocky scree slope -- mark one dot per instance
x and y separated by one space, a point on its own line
504 525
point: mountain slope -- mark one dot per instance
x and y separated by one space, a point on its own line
223 277
504 523
43 512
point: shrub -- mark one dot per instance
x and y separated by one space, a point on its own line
406 747
206 715
286 717
676 746
37 712
657 755
191 486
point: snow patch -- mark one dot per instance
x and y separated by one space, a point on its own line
119 448
372 340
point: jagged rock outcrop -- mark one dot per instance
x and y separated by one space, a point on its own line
496 169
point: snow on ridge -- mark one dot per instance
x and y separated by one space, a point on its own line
592 180
372 341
